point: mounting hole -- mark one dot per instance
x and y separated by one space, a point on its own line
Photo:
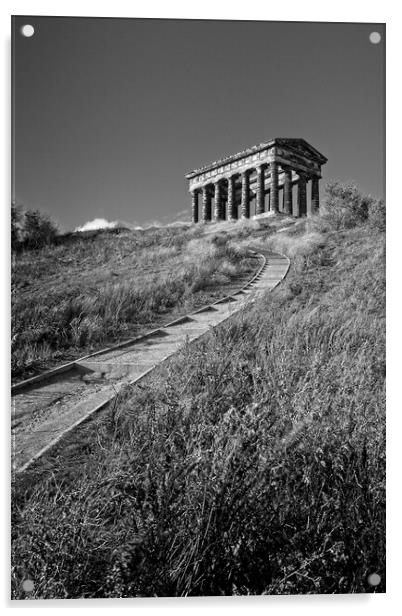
27 585
27 30
374 579
375 37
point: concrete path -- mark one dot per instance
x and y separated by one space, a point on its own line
44 410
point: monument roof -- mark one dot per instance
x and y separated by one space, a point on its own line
299 145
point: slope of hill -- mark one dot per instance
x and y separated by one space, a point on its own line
253 463
93 288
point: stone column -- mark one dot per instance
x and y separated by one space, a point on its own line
218 202
287 192
280 198
231 214
245 195
259 208
315 196
301 195
274 205
206 204
194 205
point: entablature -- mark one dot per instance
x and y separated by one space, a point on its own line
294 153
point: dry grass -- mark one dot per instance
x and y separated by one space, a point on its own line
71 298
253 463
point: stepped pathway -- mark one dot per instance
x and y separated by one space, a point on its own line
47 407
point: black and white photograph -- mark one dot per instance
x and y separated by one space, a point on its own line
197 307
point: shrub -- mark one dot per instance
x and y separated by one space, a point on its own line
31 228
17 221
345 206
376 217
39 229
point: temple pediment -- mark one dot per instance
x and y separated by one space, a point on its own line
301 146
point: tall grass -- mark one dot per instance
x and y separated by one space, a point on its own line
252 463
81 293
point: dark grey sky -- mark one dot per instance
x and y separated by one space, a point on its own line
111 113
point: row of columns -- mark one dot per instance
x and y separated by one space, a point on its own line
301 206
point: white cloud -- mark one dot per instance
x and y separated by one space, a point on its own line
179 218
99 223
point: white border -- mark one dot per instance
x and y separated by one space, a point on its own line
290 10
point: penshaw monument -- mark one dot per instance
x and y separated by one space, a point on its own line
263 175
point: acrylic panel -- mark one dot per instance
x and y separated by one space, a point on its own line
198 308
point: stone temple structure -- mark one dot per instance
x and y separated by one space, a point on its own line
265 173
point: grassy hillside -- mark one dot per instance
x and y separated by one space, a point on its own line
90 289
253 463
